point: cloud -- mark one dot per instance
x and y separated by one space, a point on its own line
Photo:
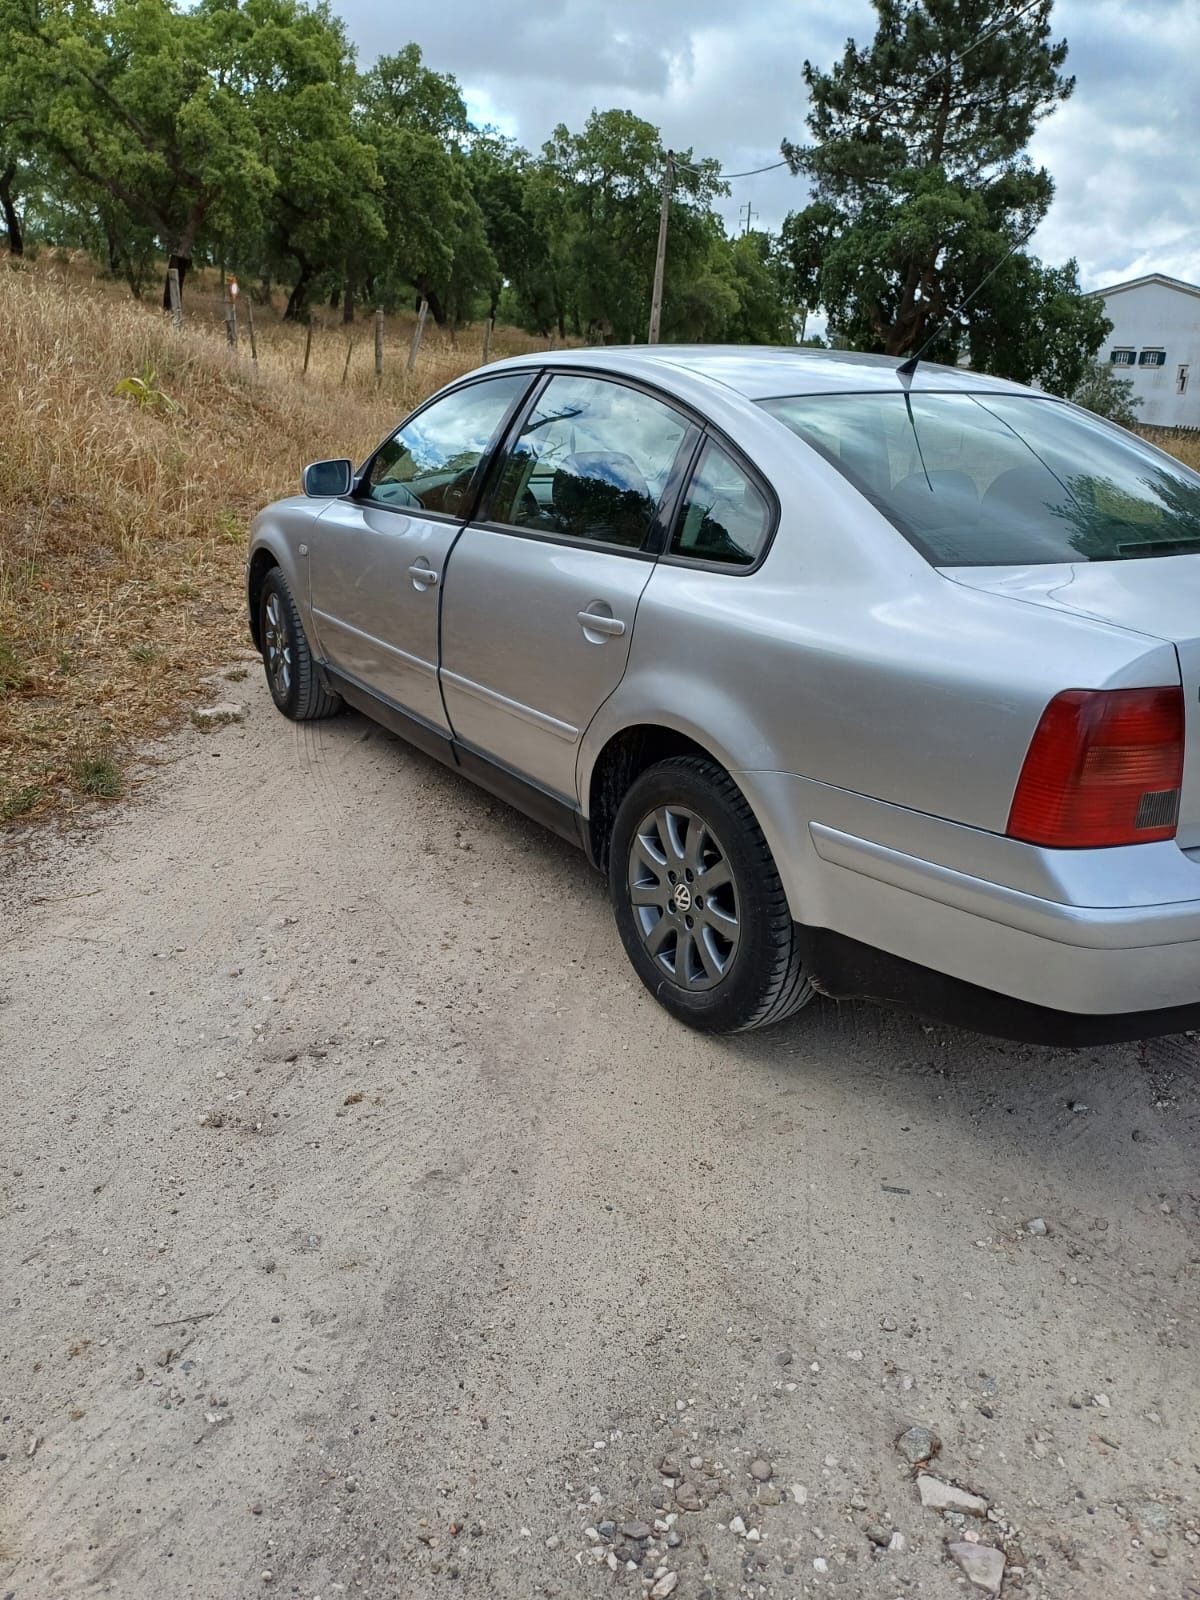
726 81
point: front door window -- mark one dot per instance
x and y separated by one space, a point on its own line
432 463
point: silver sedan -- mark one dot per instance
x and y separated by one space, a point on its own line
850 679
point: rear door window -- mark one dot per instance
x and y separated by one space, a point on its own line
592 462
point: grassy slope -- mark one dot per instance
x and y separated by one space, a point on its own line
123 529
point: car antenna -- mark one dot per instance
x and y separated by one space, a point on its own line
909 367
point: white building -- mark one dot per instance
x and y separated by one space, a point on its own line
1155 342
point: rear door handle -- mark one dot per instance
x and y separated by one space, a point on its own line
424 575
591 622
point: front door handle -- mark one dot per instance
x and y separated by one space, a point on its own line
593 622
423 577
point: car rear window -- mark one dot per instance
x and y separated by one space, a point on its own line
1003 480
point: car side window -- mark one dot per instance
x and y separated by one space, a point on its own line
592 461
725 516
432 462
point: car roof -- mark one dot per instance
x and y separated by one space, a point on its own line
763 372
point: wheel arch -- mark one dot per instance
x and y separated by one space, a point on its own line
260 563
621 760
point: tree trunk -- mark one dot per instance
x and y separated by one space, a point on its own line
436 306
181 263
335 297
348 301
297 306
8 202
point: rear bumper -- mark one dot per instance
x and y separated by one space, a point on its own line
982 930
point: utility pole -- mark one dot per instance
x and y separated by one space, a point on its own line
660 259
749 215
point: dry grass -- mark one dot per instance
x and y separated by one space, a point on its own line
123 526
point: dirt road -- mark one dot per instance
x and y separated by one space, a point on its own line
368 1230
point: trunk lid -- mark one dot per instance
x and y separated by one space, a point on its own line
1158 597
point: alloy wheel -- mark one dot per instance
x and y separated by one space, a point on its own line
278 647
684 897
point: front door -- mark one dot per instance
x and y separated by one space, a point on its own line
541 597
378 557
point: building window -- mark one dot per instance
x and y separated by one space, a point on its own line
1123 358
1152 358
1181 380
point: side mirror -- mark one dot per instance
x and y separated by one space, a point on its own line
325 480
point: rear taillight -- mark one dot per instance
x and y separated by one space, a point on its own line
1104 767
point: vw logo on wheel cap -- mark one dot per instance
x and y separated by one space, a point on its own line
682 897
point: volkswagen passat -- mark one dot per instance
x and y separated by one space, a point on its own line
851 679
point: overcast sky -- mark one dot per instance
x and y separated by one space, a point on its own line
725 79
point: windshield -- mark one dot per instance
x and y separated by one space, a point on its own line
1002 480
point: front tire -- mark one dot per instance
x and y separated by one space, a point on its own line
699 903
292 675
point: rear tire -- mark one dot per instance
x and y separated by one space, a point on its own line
292 675
724 957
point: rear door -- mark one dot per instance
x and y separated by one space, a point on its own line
541 596
378 557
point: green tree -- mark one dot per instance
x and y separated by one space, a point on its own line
291 66
921 181
129 98
595 195
1102 391
434 233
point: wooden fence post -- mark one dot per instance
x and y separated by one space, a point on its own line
417 332
378 344
488 328
346 368
231 323
250 327
175 296
307 346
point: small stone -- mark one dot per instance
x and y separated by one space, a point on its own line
918 1443
897 1542
687 1497
1159 1552
738 1526
666 1585
1150 1516
256 1509
820 1564
939 1496
798 1493
1102 1401
639 1532
752 1536
784 1358
768 1495
982 1563
878 1534
670 1468
552 1542
674 1540
1037 1226
607 1530
888 1324
760 1469
225 711
1075 1401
